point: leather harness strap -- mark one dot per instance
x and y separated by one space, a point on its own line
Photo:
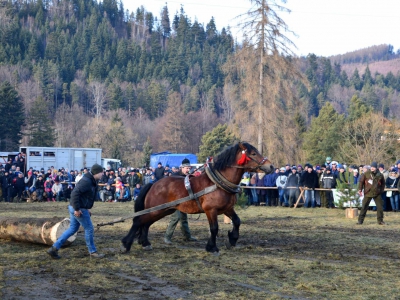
189 189
216 177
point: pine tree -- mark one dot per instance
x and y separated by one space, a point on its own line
12 118
40 128
214 141
322 137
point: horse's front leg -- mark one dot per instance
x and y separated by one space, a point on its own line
212 217
234 234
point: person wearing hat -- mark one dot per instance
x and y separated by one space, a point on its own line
328 182
178 215
328 161
342 176
372 183
39 188
393 196
292 183
355 177
133 179
385 173
82 200
159 171
57 189
281 183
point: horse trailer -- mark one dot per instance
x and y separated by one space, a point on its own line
68 158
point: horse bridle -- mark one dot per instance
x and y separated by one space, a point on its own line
259 164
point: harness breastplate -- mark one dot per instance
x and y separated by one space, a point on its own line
216 177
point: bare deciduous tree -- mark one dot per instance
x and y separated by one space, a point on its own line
370 138
98 92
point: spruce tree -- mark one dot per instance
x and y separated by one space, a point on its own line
40 128
214 141
322 137
11 118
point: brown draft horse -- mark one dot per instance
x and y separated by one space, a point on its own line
231 164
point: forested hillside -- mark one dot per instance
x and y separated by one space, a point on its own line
78 73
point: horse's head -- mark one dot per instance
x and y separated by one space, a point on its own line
250 159
243 156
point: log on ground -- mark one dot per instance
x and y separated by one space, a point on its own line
34 230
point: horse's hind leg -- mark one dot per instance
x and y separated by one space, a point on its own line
129 238
212 217
234 234
143 240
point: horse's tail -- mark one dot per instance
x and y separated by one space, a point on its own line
139 202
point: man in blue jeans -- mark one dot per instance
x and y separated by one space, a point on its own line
82 200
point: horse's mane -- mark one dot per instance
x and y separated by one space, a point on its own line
227 156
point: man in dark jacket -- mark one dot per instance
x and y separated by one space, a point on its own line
82 200
373 184
178 215
309 181
292 183
159 171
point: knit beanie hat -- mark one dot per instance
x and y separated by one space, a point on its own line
374 164
96 169
185 163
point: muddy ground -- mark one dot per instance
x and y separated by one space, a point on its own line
282 253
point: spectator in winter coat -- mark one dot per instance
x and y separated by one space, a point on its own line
20 185
107 194
281 183
309 181
39 185
354 177
57 190
373 184
391 183
30 182
261 193
329 182
7 186
47 188
292 183
159 171
254 191
136 191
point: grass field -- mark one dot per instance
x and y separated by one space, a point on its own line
282 253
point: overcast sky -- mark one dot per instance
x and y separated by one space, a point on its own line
324 27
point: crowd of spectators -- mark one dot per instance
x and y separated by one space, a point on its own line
282 187
125 184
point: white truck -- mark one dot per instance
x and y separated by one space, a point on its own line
112 162
68 158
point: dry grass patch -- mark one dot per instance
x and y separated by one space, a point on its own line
281 254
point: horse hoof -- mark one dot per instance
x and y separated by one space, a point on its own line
148 248
123 250
228 245
216 253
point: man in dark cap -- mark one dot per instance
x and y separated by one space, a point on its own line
159 171
178 215
373 184
82 200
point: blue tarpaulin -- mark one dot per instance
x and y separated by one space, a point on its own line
171 159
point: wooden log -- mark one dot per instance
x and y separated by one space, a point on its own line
38 231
